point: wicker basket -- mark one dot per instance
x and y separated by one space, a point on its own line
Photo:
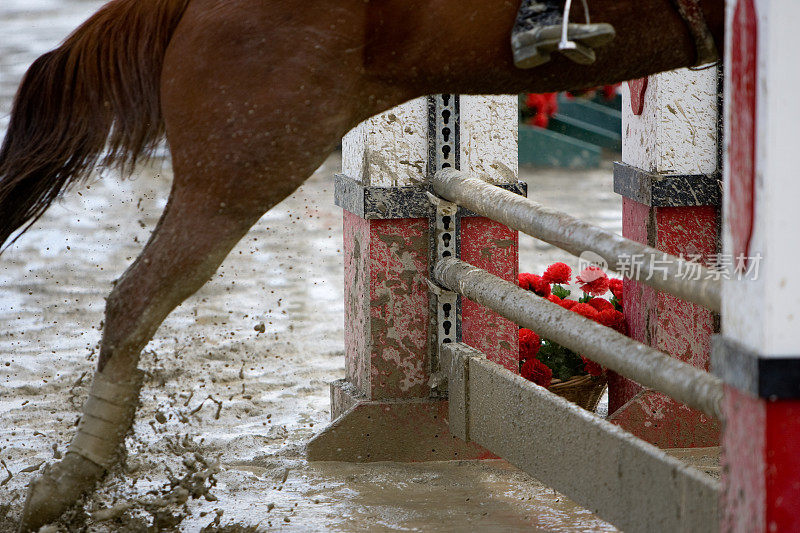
585 391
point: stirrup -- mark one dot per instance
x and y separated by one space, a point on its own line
578 53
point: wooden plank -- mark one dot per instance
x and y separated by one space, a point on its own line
623 480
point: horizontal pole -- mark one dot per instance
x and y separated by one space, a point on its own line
622 479
645 365
645 264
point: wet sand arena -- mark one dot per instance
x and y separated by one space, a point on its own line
221 399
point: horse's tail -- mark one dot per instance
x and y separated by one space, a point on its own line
98 91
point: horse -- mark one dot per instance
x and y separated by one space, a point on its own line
252 96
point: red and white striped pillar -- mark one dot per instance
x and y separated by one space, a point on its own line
389 406
758 353
669 180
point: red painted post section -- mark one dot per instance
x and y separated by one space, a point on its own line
385 409
760 464
493 247
386 307
679 328
744 71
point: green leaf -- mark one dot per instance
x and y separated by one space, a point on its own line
560 291
564 363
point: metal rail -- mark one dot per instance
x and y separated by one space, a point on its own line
643 364
652 267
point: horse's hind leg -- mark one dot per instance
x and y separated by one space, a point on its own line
243 134
207 214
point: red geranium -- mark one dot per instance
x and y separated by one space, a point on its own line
568 304
543 106
613 319
538 285
593 281
557 273
610 91
529 343
555 299
524 280
600 304
536 371
591 368
616 288
585 310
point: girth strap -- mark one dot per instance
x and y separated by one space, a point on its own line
692 14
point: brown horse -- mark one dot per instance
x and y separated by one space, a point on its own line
252 96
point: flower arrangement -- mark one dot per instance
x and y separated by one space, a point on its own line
536 109
546 362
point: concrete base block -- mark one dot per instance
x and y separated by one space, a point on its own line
663 422
404 430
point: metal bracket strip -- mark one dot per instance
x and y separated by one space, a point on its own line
444 147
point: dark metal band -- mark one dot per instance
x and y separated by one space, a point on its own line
377 203
775 378
667 190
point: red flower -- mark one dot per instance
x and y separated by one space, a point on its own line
524 280
557 273
600 304
543 106
555 299
591 368
610 91
539 286
529 343
568 304
616 288
536 371
593 281
585 310
613 319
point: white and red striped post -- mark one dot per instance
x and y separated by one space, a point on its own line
758 353
389 406
669 180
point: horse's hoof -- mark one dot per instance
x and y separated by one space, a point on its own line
58 488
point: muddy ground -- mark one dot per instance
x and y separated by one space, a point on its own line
226 410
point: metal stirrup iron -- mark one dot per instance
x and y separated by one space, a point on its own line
565 43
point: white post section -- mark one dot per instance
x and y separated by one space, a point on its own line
489 137
677 130
774 330
390 149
